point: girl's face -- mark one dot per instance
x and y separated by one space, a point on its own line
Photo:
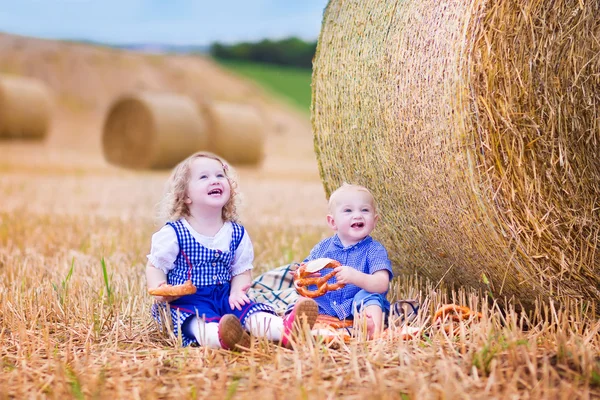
208 186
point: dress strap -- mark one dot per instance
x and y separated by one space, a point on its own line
189 264
236 236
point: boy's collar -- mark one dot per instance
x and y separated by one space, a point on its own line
338 242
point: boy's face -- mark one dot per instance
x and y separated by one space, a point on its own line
353 216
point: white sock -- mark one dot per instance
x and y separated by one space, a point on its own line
263 324
206 334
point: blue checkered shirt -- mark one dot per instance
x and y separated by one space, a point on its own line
368 256
209 266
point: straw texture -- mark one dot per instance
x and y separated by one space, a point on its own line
237 131
476 125
152 130
25 108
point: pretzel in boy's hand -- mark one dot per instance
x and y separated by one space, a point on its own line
305 276
174 290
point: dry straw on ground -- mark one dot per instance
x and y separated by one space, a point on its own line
476 124
77 325
153 130
25 108
237 131
75 314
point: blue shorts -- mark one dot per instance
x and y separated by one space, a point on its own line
363 299
209 303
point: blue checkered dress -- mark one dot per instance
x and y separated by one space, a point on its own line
368 256
210 272
210 267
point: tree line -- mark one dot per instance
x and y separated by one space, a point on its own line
290 52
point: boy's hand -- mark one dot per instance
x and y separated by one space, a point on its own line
347 275
237 298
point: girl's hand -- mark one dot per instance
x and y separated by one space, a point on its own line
347 275
164 299
237 298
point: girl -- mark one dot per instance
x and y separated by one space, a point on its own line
203 242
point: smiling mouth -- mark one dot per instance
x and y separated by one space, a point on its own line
215 191
358 225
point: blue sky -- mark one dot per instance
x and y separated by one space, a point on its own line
163 21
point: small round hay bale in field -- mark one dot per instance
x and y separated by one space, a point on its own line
25 107
152 130
237 131
477 126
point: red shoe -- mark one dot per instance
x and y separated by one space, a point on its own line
305 310
231 334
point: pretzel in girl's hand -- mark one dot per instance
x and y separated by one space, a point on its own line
307 274
174 290
166 290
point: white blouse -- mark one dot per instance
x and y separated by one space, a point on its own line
165 247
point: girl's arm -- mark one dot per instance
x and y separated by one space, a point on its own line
244 256
241 269
378 282
239 286
155 278
163 252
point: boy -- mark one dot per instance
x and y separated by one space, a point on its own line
366 269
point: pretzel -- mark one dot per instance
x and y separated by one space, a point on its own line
174 290
303 278
324 320
328 330
454 313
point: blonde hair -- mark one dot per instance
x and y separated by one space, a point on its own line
173 204
347 187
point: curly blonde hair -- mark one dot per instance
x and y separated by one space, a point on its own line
173 204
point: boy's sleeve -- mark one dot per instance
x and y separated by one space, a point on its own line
244 256
164 249
314 253
378 260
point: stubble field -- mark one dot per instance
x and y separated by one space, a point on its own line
74 319
74 313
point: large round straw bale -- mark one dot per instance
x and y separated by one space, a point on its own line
477 126
152 130
25 107
237 131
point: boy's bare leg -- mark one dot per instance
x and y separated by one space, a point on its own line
374 315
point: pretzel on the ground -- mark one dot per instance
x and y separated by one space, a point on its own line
303 278
452 313
332 329
324 320
330 336
174 290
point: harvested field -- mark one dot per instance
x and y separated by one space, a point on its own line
74 320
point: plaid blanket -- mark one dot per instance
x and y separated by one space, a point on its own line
275 287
